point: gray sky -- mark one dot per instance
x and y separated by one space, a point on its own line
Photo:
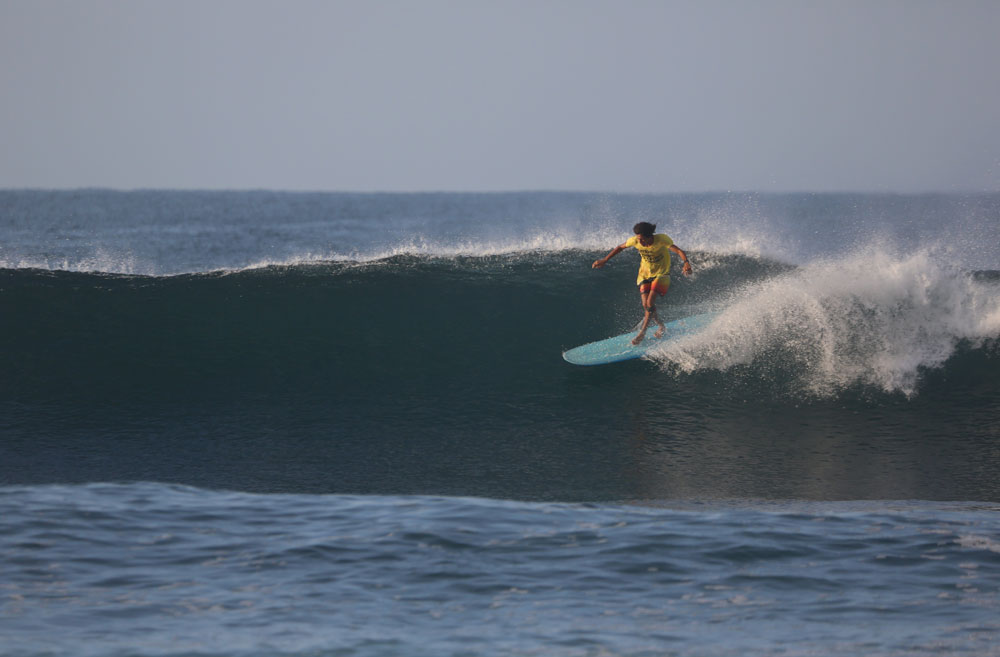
623 96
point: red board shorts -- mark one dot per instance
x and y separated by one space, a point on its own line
660 285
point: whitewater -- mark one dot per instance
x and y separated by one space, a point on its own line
249 423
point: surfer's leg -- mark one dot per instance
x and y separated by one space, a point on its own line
661 327
660 287
646 296
640 336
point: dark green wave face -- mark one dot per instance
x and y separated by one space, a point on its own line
445 376
344 328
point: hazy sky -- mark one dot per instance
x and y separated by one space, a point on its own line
621 95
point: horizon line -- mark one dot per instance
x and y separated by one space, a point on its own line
485 192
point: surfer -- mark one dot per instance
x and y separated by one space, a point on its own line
654 270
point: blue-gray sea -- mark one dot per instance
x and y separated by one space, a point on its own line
266 423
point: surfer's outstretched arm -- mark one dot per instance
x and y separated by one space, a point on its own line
603 261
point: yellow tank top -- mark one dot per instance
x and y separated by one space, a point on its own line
655 258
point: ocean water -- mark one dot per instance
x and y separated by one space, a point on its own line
261 423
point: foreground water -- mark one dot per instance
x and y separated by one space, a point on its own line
146 569
336 424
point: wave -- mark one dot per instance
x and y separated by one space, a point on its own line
871 320
431 375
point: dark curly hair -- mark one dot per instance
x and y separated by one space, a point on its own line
644 228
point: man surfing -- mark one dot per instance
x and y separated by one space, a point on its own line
654 270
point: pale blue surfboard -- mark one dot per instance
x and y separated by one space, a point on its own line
620 347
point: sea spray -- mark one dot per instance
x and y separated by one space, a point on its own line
872 319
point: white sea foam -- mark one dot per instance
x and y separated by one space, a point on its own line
974 542
100 260
871 319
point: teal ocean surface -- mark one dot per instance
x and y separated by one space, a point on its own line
260 423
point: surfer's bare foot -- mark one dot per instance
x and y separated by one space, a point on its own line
637 339
659 332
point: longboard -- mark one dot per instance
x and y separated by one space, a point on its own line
620 347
